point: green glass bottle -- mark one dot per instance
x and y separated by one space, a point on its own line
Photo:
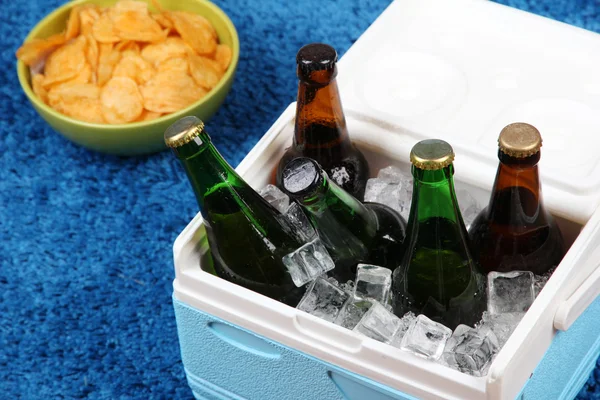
247 237
437 276
351 231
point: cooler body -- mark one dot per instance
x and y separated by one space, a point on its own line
226 362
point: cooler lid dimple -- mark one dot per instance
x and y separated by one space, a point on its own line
462 70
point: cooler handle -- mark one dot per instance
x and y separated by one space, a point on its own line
574 306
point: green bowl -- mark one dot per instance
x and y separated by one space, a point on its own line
137 137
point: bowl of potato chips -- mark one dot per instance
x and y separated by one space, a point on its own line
112 75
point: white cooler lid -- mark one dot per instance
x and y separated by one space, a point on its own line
461 70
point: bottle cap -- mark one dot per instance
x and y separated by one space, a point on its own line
431 154
520 140
301 176
183 131
316 57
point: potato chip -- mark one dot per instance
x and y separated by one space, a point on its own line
143 29
128 46
133 22
107 60
172 47
38 89
73 24
135 67
65 63
83 76
92 55
196 31
104 31
122 63
35 50
163 21
179 64
148 116
73 91
170 91
77 100
122 6
205 71
121 100
223 56
88 15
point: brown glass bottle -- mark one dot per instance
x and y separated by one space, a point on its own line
515 231
320 130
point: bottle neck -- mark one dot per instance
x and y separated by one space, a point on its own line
206 169
516 196
433 196
344 223
320 120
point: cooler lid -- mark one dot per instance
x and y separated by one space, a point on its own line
461 70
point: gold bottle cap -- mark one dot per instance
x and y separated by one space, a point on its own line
183 131
520 140
431 154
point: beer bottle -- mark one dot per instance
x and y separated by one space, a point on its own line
515 231
320 130
247 237
351 231
437 276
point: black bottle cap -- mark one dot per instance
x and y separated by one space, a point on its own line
316 57
301 177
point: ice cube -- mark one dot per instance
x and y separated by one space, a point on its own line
275 197
540 282
378 323
471 350
469 206
378 191
392 187
348 287
405 322
304 228
425 338
510 291
323 299
308 262
393 174
373 282
352 312
502 325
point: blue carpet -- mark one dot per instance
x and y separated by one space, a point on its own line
85 249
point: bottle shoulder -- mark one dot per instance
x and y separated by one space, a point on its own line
536 245
513 219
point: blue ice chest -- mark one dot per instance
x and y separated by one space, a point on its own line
453 70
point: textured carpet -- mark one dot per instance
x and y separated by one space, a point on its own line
85 238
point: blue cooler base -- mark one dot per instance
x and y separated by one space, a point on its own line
569 361
226 362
